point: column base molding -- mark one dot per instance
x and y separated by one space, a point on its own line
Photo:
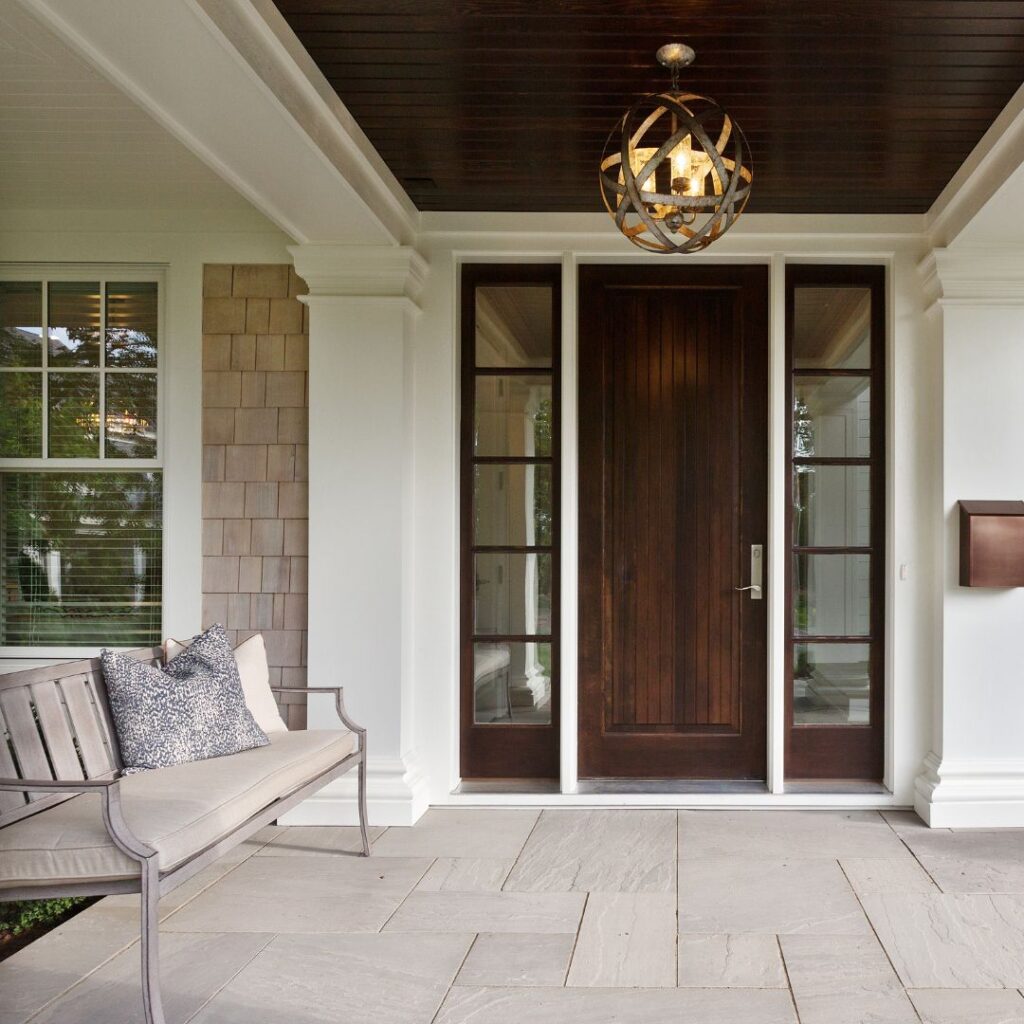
970 793
396 794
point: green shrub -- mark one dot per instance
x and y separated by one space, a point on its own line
19 916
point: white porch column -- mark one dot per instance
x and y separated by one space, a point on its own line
974 775
361 301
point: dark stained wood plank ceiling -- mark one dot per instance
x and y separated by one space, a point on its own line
849 106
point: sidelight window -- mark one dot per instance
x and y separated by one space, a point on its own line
510 447
835 332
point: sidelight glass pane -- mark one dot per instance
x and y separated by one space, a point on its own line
21 415
512 684
74 324
832 417
21 323
513 416
832 327
80 559
831 595
831 506
74 415
131 415
131 324
512 505
512 594
513 325
831 684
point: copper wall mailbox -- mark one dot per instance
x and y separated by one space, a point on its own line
992 543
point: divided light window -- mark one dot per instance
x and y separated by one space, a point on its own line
836 568
510 552
80 480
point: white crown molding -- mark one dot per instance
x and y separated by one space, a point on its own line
396 794
378 271
970 793
973 277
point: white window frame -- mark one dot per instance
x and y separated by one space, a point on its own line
103 273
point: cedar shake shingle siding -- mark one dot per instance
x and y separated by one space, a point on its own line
255 436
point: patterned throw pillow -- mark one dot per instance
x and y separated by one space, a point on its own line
192 709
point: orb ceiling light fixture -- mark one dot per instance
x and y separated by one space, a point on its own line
676 170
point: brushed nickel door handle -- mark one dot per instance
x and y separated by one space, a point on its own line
756 561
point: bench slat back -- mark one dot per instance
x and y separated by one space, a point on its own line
55 723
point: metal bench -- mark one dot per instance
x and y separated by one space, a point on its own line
61 784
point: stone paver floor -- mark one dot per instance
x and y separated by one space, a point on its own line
479 916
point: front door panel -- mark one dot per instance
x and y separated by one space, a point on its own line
673 458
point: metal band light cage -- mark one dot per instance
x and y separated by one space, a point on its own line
666 184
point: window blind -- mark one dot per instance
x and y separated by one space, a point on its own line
81 557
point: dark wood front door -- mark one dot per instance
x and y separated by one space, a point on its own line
673 492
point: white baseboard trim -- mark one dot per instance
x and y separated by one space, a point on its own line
975 793
396 794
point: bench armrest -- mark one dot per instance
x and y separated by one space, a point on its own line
61 785
339 704
110 807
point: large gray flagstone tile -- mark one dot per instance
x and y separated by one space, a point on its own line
465 874
311 894
968 1006
786 834
983 862
844 979
327 979
460 832
770 897
185 892
205 878
951 941
730 961
889 874
598 851
317 840
192 969
53 963
626 940
501 960
905 823
616 1006
489 912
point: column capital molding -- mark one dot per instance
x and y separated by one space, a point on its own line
368 271
990 276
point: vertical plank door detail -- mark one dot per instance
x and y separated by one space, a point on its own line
673 453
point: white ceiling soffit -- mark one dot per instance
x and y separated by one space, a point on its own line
172 58
69 139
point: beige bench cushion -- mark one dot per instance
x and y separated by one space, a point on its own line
177 810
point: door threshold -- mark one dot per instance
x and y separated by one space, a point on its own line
598 787
834 786
527 787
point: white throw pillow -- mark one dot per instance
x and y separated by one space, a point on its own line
251 657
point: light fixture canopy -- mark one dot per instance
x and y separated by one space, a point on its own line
676 170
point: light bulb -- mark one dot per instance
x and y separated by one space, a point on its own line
681 160
637 159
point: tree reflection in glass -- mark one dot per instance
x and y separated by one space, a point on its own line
131 329
74 415
81 559
131 416
21 323
74 324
